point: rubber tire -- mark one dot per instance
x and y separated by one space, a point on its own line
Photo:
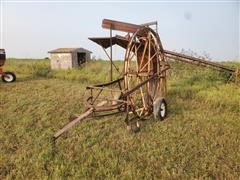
157 109
7 73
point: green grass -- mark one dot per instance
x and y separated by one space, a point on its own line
199 139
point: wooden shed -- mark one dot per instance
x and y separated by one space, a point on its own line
67 58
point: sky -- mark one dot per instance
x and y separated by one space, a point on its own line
29 29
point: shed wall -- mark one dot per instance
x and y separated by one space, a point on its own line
88 56
61 60
74 59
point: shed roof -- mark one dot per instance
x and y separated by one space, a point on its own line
69 50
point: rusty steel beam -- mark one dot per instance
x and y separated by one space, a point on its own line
105 84
120 26
153 23
72 123
196 61
130 91
149 23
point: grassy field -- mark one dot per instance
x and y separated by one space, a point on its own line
199 139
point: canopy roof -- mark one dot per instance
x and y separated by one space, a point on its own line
105 42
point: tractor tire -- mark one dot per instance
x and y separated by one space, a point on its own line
160 109
8 77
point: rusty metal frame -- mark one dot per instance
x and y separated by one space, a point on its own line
145 63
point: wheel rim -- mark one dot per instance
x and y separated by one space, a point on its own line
8 77
142 59
163 110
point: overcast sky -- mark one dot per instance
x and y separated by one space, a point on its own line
31 29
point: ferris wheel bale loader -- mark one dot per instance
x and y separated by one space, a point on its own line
141 87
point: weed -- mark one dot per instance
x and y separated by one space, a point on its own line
198 140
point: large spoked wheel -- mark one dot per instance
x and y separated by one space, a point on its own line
143 59
160 109
8 77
